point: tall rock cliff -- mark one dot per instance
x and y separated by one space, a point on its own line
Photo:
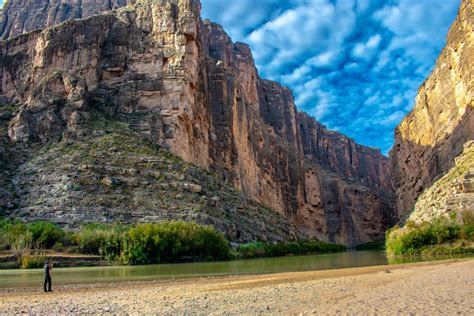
183 84
442 121
22 16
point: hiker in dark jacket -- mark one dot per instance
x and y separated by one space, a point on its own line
48 266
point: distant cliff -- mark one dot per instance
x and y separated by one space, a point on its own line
442 121
183 84
22 16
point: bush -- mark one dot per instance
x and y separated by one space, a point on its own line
16 234
259 249
42 234
417 238
32 261
45 234
166 242
21 244
153 243
372 245
173 242
103 240
140 244
467 228
5 225
251 250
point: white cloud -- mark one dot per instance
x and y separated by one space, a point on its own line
323 59
315 29
324 104
353 64
393 118
365 51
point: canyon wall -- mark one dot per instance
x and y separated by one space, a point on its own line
183 84
450 196
442 121
22 16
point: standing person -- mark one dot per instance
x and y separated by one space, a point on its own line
48 266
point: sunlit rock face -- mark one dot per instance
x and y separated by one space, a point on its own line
442 121
183 84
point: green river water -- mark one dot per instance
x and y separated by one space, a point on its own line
34 278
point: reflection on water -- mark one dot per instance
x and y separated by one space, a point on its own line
28 278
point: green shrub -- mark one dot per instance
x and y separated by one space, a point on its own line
5 225
251 250
282 249
373 245
14 231
153 243
143 244
467 218
103 240
417 238
467 228
32 261
45 234
88 240
165 242
259 249
173 242
467 232
21 243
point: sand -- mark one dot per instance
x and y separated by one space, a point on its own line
432 288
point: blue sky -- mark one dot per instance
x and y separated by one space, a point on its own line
355 65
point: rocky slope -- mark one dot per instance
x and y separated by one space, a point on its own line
452 194
114 175
183 84
442 121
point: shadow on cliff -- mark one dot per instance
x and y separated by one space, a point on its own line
415 167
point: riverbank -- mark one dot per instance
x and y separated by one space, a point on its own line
8 260
27 244
445 287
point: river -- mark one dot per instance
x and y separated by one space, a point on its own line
34 277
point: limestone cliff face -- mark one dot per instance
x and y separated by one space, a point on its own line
343 156
452 194
347 185
183 84
433 134
22 16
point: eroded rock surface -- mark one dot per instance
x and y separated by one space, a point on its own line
442 121
183 84
113 175
452 194
22 16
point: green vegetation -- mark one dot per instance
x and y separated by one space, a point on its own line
28 261
259 249
373 245
153 243
165 242
440 236
45 234
140 244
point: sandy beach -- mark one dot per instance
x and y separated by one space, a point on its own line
443 287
